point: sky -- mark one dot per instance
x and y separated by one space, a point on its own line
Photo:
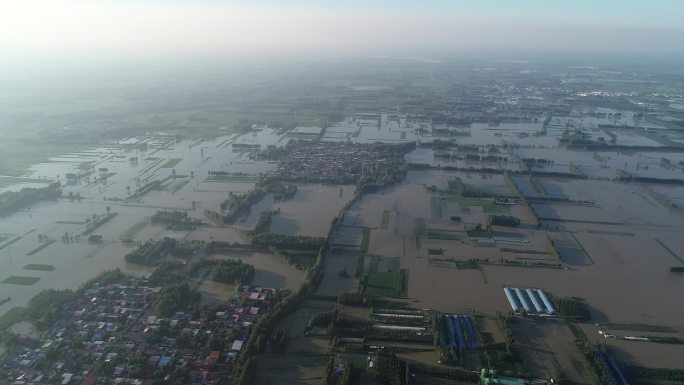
36 30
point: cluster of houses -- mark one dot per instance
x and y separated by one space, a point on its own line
111 334
325 162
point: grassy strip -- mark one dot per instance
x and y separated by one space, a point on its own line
232 178
447 235
580 221
419 227
384 224
177 186
469 264
171 163
6 181
41 247
10 242
494 209
672 253
359 265
582 247
622 233
19 280
11 317
365 240
636 327
487 204
135 229
552 248
71 222
39 267
666 340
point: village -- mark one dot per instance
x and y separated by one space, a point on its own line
115 329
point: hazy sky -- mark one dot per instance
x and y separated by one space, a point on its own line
32 29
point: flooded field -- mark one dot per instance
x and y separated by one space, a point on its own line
309 212
596 239
114 179
615 241
292 369
457 159
546 346
639 353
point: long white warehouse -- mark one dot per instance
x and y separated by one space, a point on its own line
536 301
523 300
512 299
550 309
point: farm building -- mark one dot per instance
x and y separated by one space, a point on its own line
530 301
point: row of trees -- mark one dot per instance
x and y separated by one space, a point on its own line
281 191
44 308
504 220
152 252
572 308
178 220
153 185
288 242
233 271
12 201
176 298
263 223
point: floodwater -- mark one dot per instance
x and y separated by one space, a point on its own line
110 175
619 233
622 233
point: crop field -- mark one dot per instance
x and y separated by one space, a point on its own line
8 243
232 178
40 247
390 284
19 280
39 267
171 163
449 235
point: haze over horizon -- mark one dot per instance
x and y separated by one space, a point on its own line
34 30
